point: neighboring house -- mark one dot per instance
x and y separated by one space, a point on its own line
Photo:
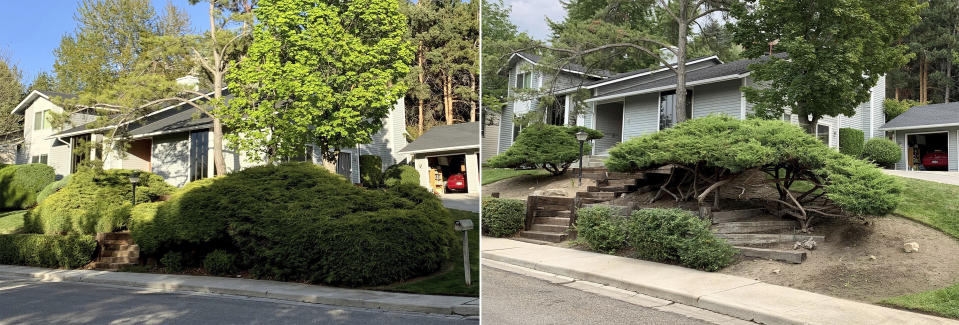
636 103
446 150
926 129
174 142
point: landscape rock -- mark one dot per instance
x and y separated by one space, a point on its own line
776 271
809 244
557 192
910 247
872 257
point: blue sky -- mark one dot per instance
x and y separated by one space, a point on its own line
31 30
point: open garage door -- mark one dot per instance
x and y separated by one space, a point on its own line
927 151
448 173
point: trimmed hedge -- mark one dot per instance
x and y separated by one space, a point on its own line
19 184
851 141
299 222
551 147
47 250
92 195
678 236
220 262
401 174
601 228
882 151
371 171
53 188
503 217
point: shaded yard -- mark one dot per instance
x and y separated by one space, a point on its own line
491 175
11 221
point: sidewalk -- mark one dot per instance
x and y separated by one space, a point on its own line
735 296
447 305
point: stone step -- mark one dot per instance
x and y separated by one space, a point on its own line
551 221
118 260
795 257
120 247
114 236
544 236
758 239
550 213
737 215
132 253
597 195
549 228
745 227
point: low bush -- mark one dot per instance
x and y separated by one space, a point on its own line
678 236
401 174
19 184
601 228
371 171
92 195
172 261
220 262
53 188
503 217
851 141
882 151
549 146
47 250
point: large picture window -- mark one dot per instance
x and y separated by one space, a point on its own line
667 108
199 154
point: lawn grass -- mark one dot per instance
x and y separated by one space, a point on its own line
11 221
492 175
450 281
936 205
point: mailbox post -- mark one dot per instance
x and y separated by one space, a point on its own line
465 226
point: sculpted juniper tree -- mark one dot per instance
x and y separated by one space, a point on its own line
837 50
317 72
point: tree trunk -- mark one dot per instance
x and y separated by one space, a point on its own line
923 81
448 98
473 106
681 63
219 163
897 93
422 76
948 83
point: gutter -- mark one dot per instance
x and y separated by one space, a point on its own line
472 146
673 86
917 127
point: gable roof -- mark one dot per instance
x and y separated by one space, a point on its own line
34 95
446 137
647 71
568 67
925 116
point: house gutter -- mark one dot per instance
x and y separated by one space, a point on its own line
609 82
472 146
658 89
917 127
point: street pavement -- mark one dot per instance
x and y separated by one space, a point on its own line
510 298
31 301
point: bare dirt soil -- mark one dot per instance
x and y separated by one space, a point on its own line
524 185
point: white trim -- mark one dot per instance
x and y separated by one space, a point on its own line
561 69
742 102
918 127
650 72
472 146
30 98
622 124
566 102
905 147
658 89
659 114
592 149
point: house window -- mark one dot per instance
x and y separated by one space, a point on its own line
199 154
344 165
41 159
524 80
667 108
41 120
822 132
305 155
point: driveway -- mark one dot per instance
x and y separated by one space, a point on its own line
951 178
461 201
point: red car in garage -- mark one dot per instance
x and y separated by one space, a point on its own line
936 159
456 182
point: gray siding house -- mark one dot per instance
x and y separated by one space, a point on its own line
636 103
923 130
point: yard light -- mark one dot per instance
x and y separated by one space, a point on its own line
134 179
581 136
465 225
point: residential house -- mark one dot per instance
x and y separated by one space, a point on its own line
444 151
924 130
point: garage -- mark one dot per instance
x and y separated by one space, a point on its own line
927 151
447 158
928 136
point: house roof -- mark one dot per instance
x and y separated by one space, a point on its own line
636 73
26 102
568 67
925 116
446 137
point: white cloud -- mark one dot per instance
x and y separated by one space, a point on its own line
530 15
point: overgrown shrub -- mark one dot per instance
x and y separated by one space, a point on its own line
220 262
882 151
401 174
19 184
601 228
549 146
299 222
851 141
92 195
47 250
678 236
861 188
893 108
371 171
503 217
53 188
172 261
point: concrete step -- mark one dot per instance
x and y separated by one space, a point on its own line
549 228
544 236
737 215
550 213
118 260
757 239
795 257
745 227
531 241
132 253
551 221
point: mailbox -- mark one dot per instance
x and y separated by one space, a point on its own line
463 225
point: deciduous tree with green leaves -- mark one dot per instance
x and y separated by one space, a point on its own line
317 72
11 92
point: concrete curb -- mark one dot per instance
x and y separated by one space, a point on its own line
392 301
730 295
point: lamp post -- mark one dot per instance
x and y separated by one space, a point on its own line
581 136
134 179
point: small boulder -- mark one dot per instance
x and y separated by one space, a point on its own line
872 257
776 271
910 247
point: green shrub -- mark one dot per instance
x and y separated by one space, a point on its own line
220 262
19 185
678 236
371 171
299 222
601 228
861 188
47 250
893 108
114 218
92 195
172 261
53 188
851 141
882 151
401 174
503 217
549 146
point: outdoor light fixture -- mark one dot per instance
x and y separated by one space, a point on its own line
134 179
581 136
465 225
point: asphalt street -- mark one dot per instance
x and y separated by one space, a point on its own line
29 301
510 298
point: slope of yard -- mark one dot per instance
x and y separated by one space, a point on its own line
491 175
11 221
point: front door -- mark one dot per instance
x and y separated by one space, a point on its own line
344 164
609 120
